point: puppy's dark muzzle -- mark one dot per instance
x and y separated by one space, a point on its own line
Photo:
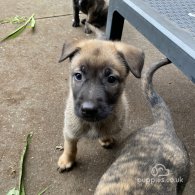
89 111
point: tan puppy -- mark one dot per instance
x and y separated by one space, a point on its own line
97 106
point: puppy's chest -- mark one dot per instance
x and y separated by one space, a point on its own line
97 130
92 132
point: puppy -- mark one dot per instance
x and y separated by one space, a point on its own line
96 11
99 34
97 105
154 160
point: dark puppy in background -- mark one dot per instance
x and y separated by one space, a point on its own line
154 160
99 34
97 105
96 11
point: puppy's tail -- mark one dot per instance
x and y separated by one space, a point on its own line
159 108
99 33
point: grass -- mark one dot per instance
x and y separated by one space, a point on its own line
26 23
20 190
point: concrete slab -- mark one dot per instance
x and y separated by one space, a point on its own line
42 8
33 89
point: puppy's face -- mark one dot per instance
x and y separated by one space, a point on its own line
85 4
96 87
98 73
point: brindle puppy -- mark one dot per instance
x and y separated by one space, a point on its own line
96 11
97 105
154 160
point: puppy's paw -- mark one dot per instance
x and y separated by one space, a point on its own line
64 164
106 142
76 23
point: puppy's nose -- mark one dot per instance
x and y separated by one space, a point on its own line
89 109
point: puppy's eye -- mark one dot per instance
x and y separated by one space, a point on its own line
78 76
112 79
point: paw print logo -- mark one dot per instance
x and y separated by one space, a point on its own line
159 170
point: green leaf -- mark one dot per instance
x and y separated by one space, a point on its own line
22 159
13 192
14 20
17 20
32 22
43 191
14 34
19 30
21 190
4 21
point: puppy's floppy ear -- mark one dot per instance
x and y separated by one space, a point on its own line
68 51
132 57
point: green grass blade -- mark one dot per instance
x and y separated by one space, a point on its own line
13 191
22 159
23 191
18 20
4 21
14 34
14 20
32 22
43 191
19 30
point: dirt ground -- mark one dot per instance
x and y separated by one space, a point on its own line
33 90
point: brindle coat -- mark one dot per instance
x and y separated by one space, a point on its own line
154 161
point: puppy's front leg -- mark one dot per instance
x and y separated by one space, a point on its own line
90 18
76 21
67 159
